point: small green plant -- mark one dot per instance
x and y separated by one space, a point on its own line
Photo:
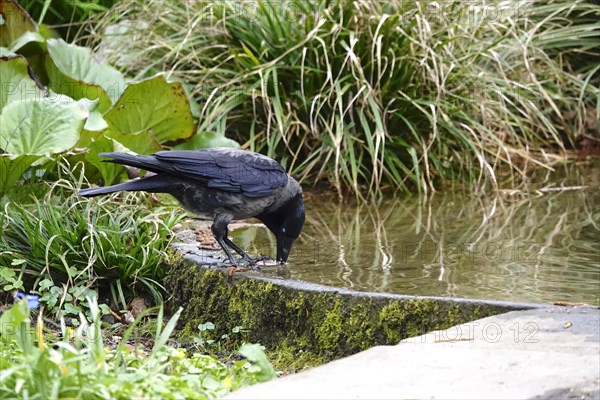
205 340
81 366
64 247
10 279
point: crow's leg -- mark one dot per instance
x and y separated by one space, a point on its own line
241 252
219 231
235 247
245 257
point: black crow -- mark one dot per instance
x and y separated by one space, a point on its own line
224 184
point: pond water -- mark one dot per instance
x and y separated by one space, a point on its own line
534 246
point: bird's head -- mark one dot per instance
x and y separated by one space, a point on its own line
286 223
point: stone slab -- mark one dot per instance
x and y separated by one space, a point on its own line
543 353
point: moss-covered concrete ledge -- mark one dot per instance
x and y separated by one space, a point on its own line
302 323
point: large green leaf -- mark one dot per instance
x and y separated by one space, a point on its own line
32 45
4 52
14 22
150 113
19 83
12 168
26 38
110 172
205 140
94 122
74 71
141 143
187 88
41 127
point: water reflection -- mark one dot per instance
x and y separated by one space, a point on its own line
536 246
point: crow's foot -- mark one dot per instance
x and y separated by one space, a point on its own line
229 264
241 264
254 260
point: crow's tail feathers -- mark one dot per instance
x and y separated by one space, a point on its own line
152 184
149 163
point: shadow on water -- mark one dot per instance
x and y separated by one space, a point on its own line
539 246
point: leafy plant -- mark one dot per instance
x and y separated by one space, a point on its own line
63 246
10 280
58 97
82 366
205 340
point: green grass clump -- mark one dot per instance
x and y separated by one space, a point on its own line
373 95
81 366
62 245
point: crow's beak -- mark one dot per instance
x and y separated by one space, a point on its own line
284 245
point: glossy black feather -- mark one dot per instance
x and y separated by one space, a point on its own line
230 170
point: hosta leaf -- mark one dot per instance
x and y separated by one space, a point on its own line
26 38
19 83
109 171
41 127
155 111
74 71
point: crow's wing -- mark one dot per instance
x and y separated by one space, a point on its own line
230 170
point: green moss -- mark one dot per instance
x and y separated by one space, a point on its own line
328 333
358 325
477 313
400 320
303 328
392 319
452 317
287 357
